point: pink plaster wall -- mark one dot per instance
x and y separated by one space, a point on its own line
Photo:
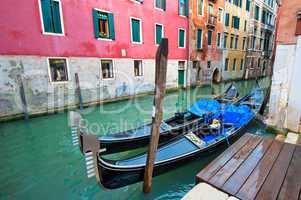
21 29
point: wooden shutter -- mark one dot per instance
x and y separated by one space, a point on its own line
47 17
209 37
164 4
136 30
199 39
248 5
227 19
56 16
111 26
186 7
96 23
158 33
181 38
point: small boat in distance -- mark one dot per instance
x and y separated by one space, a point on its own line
170 128
218 129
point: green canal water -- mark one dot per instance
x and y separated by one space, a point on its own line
38 160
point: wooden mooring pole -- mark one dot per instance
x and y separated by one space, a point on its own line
160 81
78 91
23 98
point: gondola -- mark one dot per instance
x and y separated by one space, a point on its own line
232 118
181 122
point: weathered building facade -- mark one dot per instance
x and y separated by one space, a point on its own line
260 40
285 99
110 45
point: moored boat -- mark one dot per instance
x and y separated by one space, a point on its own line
221 127
170 128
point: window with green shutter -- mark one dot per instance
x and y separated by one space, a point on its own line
227 19
226 64
159 33
209 37
161 4
181 38
183 7
199 38
103 25
200 7
248 5
51 14
235 22
256 14
136 30
218 40
225 40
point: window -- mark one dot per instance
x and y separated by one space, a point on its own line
181 41
236 42
200 7
227 19
254 42
231 41
218 40
225 39
220 15
136 32
181 65
245 25
159 33
241 64
256 12
51 16
234 64
226 64
210 9
235 22
196 64
139 1
209 64
103 25
258 63
244 43
209 37
199 42
161 4
183 7
138 70
58 69
107 69
248 5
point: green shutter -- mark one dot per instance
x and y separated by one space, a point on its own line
158 34
248 5
96 23
199 39
186 7
111 26
227 19
136 30
209 37
164 4
47 17
181 38
56 17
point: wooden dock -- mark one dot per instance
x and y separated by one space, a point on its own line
256 168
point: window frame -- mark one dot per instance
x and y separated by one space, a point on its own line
140 28
226 67
211 38
222 14
105 11
113 64
61 17
179 29
49 71
234 64
197 5
142 71
220 40
201 39
162 36
161 9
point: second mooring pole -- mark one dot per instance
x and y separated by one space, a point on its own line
78 92
160 81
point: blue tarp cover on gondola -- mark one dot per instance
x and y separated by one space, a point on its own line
203 106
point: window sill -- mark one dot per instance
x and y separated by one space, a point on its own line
160 9
105 39
59 82
181 47
108 79
136 42
53 34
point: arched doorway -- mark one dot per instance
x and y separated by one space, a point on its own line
216 76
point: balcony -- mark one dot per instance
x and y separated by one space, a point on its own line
211 21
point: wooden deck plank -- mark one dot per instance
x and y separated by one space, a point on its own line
273 182
222 159
261 171
234 183
231 166
292 183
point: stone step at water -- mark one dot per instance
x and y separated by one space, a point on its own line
291 138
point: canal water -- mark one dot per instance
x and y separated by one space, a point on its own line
38 160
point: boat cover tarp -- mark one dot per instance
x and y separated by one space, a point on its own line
203 106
